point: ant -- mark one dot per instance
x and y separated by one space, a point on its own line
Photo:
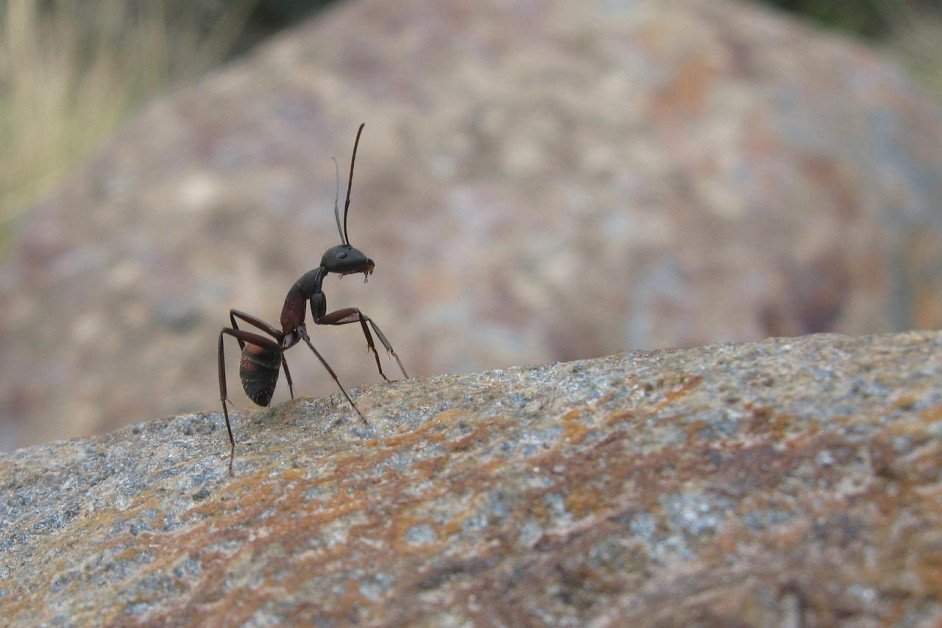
262 358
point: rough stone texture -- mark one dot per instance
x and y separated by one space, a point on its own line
537 181
786 482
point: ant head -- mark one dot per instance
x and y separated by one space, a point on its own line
343 259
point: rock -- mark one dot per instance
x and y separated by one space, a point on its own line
786 482
536 182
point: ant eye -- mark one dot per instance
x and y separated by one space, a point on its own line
342 255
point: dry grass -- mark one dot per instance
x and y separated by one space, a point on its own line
71 71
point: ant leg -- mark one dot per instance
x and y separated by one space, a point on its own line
284 363
255 322
223 397
242 336
387 345
307 340
353 315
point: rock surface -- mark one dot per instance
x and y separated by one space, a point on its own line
537 181
786 482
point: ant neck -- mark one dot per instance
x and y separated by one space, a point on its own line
311 281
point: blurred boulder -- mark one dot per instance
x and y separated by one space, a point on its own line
537 181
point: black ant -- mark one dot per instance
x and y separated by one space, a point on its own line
262 358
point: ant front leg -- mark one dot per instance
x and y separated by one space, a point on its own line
353 315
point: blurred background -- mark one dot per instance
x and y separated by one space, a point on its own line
538 180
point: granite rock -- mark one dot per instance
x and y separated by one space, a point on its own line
786 482
537 181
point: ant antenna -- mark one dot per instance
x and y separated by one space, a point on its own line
346 205
343 239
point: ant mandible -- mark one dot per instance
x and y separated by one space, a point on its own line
262 358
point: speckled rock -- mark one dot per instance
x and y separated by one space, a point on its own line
537 181
786 482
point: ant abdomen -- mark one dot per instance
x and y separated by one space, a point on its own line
259 369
